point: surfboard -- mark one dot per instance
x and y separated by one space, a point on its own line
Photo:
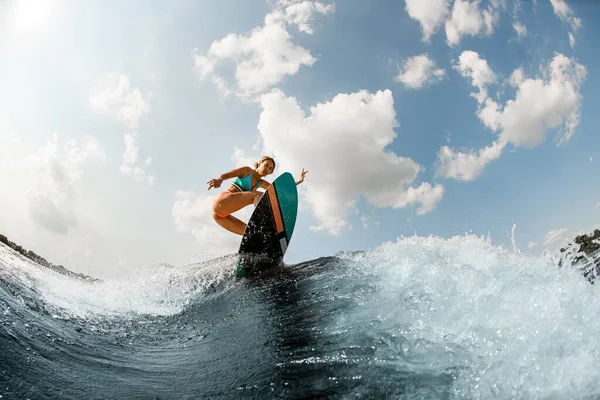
270 228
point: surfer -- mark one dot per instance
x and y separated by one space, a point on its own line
242 192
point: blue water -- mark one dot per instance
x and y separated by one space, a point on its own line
418 318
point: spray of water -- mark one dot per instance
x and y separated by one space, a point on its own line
152 290
500 322
513 325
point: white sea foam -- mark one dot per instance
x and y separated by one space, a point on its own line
153 290
503 323
514 325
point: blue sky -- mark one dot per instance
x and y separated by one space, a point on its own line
428 117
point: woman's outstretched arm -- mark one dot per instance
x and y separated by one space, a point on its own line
237 172
265 185
302 174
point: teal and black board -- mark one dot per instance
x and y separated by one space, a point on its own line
270 227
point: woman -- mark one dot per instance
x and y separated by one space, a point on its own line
242 192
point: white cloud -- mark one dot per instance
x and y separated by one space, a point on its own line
429 13
466 166
531 245
128 166
465 18
539 105
425 195
520 29
554 235
517 77
298 13
266 55
561 8
55 172
572 39
468 19
420 71
353 131
131 149
470 65
368 222
239 158
116 99
564 12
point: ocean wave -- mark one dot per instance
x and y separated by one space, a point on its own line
418 317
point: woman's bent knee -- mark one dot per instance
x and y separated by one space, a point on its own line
217 216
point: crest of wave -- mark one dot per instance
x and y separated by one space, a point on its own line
155 289
503 323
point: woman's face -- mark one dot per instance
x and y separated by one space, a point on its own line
266 167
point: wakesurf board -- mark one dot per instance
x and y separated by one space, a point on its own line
269 230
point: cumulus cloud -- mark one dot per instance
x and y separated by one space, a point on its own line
517 77
239 158
540 105
266 55
55 172
465 18
118 100
470 65
343 145
468 19
299 13
466 166
431 14
420 71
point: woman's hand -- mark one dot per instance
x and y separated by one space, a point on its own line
299 181
214 183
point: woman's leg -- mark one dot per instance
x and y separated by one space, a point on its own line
231 223
227 203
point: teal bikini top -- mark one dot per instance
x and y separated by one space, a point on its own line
243 184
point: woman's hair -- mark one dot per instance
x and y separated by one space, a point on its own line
264 158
